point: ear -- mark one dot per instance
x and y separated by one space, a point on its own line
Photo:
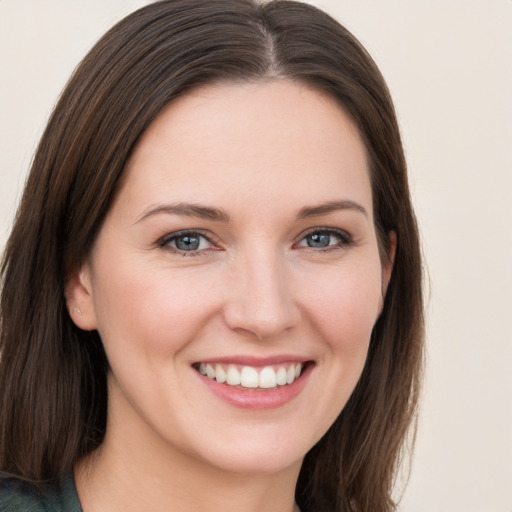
79 299
387 264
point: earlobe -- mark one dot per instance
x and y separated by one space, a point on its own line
79 299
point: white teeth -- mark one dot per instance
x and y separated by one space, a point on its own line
281 376
210 372
220 374
267 378
233 376
249 377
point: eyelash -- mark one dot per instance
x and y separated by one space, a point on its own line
166 240
345 240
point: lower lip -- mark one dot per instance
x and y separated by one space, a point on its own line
258 399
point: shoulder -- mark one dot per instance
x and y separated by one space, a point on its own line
19 496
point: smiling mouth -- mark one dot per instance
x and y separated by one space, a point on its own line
250 377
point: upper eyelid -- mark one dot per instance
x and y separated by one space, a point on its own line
183 232
213 239
345 240
325 229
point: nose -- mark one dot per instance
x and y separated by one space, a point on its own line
260 297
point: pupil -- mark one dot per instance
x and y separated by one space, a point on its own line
319 240
187 243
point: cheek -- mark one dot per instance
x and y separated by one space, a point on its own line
341 315
155 311
346 308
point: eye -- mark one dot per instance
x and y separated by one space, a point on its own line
186 242
325 239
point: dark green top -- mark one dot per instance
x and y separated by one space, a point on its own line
19 496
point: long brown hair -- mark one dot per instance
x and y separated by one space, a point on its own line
53 394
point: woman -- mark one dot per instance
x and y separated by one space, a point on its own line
212 291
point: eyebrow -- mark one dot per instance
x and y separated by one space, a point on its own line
188 210
219 215
329 207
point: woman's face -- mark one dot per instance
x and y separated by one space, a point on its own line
241 245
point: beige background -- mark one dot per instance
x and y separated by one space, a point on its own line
449 66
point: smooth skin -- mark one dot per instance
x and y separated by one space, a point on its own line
243 227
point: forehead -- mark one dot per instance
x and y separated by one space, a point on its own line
277 136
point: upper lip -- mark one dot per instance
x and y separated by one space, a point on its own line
256 361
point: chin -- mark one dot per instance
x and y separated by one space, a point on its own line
262 452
